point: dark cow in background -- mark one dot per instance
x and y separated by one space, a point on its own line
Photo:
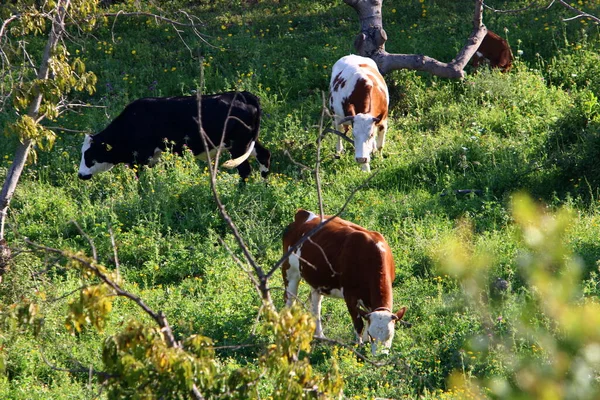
494 51
347 261
147 126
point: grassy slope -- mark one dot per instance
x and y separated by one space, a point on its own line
532 129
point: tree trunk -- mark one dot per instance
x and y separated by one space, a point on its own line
370 42
22 151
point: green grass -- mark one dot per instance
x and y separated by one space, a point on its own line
535 129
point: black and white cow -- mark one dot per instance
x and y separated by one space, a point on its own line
147 126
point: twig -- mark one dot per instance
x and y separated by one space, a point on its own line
147 14
352 349
581 14
66 294
318 161
516 10
333 271
60 128
90 241
304 167
80 370
262 278
340 134
7 22
116 256
239 262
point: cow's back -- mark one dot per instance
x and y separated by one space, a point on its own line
153 121
356 85
339 254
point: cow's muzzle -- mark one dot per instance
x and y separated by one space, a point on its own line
362 160
84 177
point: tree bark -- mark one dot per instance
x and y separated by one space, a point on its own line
370 42
22 151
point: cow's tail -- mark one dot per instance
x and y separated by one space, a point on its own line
237 161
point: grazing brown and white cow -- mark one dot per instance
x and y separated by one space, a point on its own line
495 51
347 261
359 97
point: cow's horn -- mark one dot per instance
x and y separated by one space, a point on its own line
346 119
237 161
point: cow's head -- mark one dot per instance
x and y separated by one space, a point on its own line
379 330
363 130
94 158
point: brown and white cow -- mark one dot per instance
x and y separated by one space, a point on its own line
359 97
495 51
347 261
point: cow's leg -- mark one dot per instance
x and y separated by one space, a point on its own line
339 147
263 156
357 321
381 135
316 297
291 277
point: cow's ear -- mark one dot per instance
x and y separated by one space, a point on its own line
398 316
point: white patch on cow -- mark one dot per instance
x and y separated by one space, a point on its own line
262 168
311 216
363 131
381 330
381 246
479 54
84 170
293 276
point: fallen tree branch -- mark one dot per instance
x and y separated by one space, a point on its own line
370 42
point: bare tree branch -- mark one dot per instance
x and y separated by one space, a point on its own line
79 370
240 263
304 167
6 23
213 168
580 14
158 317
318 161
89 239
147 14
115 253
22 151
170 21
516 10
